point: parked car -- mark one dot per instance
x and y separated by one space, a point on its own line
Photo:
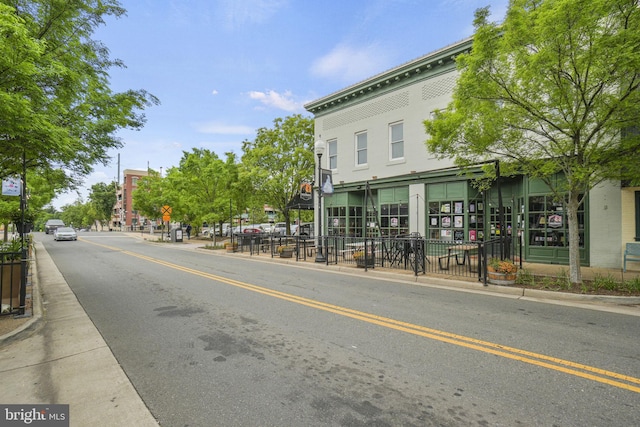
267 227
280 228
65 233
252 230
51 225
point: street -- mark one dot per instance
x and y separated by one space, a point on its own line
215 339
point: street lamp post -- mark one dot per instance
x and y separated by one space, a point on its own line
319 149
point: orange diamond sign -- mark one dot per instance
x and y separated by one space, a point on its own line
166 213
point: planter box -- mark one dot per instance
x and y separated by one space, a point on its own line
287 253
502 278
11 279
360 262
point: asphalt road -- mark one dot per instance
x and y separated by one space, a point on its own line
211 339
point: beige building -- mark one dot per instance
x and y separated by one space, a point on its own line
375 149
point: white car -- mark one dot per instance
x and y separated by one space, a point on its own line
65 233
280 228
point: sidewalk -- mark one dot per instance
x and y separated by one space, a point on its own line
59 357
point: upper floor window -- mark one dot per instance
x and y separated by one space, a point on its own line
396 141
333 153
361 148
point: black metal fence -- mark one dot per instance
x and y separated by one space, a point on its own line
301 247
407 252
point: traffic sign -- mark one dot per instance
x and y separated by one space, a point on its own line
166 210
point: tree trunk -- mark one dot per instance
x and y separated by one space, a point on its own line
575 275
287 221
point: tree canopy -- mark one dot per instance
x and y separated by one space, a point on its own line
551 90
57 110
279 160
102 199
197 190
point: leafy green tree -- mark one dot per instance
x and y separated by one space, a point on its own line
77 214
41 189
201 186
552 90
148 197
278 161
57 111
102 198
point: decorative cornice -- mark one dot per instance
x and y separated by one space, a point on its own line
421 68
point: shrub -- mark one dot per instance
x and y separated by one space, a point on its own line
608 282
359 255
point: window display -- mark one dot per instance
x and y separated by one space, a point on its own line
447 220
548 222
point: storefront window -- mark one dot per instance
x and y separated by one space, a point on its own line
337 221
447 220
548 222
394 219
476 220
355 222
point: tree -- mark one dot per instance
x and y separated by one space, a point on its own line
202 184
278 161
102 199
40 191
56 108
77 214
553 90
148 197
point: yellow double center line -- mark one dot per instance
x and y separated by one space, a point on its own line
572 368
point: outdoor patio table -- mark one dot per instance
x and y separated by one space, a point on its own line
453 251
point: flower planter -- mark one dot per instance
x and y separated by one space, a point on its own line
504 279
286 253
360 262
231 248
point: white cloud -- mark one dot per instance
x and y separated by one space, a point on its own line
351 64
223 129
283 101
214 92
240 13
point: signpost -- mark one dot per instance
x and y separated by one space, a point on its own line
166 215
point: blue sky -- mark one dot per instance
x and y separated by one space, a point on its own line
224 68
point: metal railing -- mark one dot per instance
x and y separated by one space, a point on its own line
406 252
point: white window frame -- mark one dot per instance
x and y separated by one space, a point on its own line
359 150
393 143
332 154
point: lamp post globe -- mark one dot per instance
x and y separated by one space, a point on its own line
319 148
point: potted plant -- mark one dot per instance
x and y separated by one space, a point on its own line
231 247
502 272
285 251
361 260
